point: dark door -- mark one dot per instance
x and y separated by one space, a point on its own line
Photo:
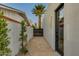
59 29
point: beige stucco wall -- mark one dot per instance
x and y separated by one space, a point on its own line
71 28
12 15
14 34
49 24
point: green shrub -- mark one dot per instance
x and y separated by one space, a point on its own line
4 42
23 37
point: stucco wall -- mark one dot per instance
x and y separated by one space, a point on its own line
12 15
71 28
29 33
71 17
14 35
49 24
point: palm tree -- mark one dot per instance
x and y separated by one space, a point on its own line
39 10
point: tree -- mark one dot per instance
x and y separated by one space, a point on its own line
23 36
4 42
39 10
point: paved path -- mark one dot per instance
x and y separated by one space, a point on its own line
38 46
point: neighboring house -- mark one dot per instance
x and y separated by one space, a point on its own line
61 28
14 17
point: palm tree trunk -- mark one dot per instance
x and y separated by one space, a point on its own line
39 21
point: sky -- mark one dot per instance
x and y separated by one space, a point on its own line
27 8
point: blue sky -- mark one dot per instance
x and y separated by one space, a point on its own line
27 8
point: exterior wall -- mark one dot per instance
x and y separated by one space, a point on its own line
49 24
71 28
71 18
29 33
12 15
14 35
15 30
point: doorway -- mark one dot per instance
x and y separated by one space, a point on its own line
59 29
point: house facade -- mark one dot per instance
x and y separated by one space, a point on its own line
61 28
14 17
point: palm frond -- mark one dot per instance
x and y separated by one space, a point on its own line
38 9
